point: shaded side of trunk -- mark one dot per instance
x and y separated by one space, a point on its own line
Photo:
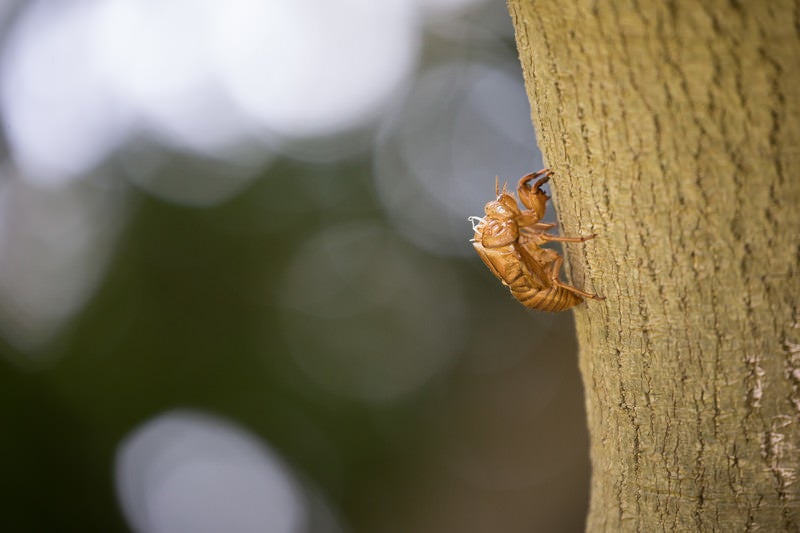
674 132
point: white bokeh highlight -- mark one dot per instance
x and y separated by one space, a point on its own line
367 316
55 247
61 117
310 79
462 125
315 68
193 180
158 58
185 471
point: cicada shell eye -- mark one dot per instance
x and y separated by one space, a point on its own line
498 211
510 203
494 210
505 208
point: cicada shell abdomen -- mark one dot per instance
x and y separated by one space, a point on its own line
550 299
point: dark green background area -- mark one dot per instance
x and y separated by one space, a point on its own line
188 317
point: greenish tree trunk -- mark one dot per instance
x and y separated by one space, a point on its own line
674 132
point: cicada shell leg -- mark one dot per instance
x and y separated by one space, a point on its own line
554 276
558 238
543 226
545 173
534 198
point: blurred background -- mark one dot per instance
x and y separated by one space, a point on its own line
237 291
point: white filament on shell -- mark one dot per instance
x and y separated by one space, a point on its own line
475 221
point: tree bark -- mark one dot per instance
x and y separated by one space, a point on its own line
674 132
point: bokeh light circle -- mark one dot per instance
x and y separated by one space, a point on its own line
367 316
61 117
462 125
314 68
186 471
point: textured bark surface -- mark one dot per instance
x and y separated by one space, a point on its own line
674 131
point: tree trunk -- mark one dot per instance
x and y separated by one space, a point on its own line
674 132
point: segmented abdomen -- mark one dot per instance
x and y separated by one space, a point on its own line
548 299
528 289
